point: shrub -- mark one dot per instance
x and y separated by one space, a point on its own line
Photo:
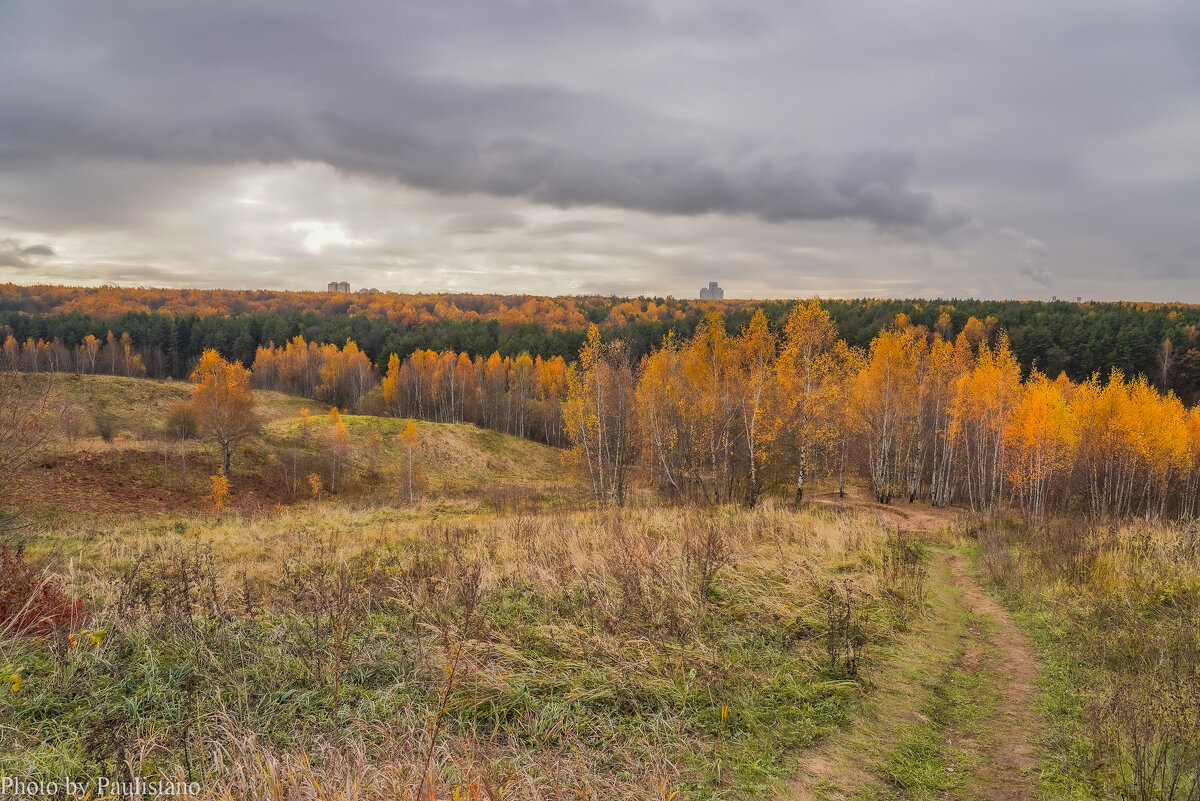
181 421
31 600
106 425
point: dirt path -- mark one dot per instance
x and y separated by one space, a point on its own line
909 517
1009 753
968 649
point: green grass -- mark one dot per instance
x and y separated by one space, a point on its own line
938 754
1113 614
1068 766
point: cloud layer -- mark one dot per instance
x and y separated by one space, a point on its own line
157 140
20 257
215 84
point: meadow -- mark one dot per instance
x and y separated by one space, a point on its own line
500 637
457 618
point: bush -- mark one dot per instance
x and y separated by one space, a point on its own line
31 600
181 421
106 425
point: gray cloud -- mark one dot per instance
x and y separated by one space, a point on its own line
489 144
569 228
484 222
23 257
218 84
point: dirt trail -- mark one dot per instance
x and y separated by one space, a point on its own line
910 517
965 628
1009 754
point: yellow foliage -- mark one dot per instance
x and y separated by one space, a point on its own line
219 491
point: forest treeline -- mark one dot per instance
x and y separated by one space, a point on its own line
170 328
921 412
520 396
917 414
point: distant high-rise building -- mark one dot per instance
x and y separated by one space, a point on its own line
338 286
712 292
333 287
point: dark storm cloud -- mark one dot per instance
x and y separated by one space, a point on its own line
218 83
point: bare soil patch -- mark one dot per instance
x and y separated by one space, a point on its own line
135 481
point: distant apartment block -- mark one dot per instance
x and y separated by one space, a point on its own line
712 292
338 286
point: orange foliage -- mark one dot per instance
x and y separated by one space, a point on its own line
223 402
926 419
219 491
412 310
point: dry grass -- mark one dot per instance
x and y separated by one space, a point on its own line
332 652
452 459
1117 612
138 406
112 456
497 638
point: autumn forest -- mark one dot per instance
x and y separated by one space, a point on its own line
922 412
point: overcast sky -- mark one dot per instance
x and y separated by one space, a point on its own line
875 148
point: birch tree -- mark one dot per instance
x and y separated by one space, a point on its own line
598 416
802 375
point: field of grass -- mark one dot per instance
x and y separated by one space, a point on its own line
646 653
454 459
1115 613
137 407
135 468
496 636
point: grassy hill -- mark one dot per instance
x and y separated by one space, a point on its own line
137 407
114 455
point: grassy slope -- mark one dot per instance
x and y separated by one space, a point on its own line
138 406
596 669
1115 614
897 746
1112 615
452 458
138 472
948 718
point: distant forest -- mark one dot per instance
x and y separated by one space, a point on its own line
171 328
